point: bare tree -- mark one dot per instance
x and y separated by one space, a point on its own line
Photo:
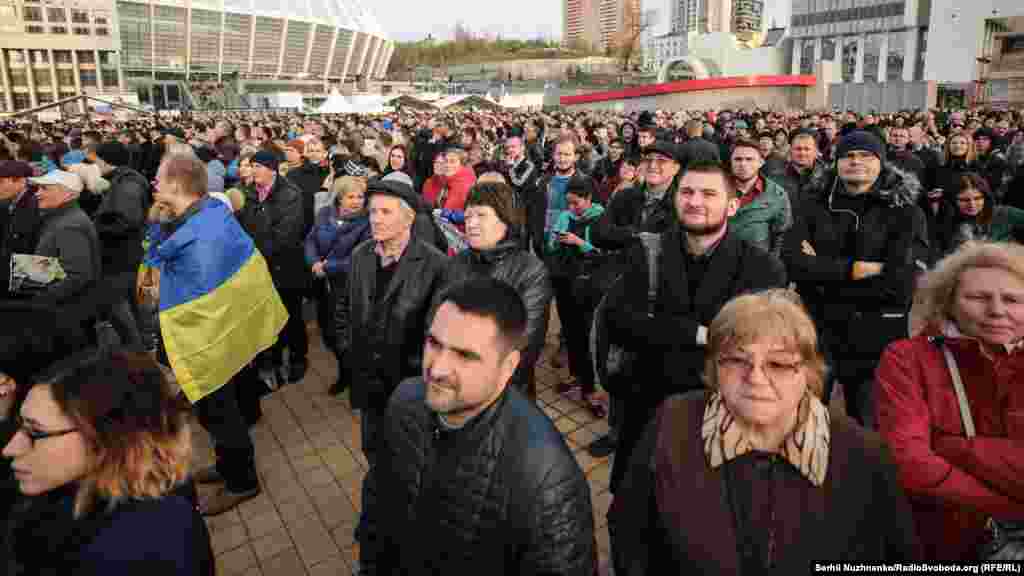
634 23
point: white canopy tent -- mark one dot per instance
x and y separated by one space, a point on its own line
335 104
368 103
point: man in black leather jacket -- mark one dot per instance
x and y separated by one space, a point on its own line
472 477
392 282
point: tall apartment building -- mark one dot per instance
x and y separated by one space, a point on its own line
598 24
747 18
702 16
875 40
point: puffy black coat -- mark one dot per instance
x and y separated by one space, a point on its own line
860 317
386 335
276 226
502 495
308 178
121 219
668 359
523 271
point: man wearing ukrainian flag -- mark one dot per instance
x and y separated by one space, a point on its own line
218 311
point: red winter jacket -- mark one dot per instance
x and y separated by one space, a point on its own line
954 484
458 189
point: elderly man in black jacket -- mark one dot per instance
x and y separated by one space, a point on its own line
858 240
392 283
472 477
700 267
278 202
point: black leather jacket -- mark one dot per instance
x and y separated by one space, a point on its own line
386 336
526 273
502 495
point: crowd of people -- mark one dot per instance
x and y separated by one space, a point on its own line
806 330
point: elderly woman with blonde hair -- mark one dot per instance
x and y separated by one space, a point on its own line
950 404
756 474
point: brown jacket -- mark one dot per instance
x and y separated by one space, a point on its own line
859 513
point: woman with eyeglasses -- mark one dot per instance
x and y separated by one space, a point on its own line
977 215
756 475
101 454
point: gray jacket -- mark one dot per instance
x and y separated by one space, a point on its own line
69 235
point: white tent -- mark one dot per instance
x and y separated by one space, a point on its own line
367 103
335 104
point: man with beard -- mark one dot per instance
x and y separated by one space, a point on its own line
472 477
544 207
701 266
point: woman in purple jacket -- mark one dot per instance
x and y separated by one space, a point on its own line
339 227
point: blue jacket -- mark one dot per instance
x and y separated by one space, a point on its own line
328 240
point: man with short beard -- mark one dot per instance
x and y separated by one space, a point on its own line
702 265
472 477
545 205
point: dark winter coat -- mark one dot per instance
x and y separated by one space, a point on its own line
623 218
668 359
386 335
907 161
159 537
333 240
859 317
19 233
526 273
121 219
795 182
858 515
947 177
68 235
308 178
276 226
501 496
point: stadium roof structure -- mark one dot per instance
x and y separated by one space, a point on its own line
349 14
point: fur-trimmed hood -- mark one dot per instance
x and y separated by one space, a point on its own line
898 187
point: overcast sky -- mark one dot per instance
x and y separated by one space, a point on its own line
414 19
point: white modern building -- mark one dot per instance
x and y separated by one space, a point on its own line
874 40
970 29
151 50
664 48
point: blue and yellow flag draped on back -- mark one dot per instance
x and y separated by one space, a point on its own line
218 305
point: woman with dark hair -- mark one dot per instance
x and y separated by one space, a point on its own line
978 217
101 453
398 159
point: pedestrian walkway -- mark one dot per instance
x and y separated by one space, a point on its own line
311 467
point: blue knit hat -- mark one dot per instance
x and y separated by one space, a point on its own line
860 140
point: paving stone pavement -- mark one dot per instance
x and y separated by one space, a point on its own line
311 469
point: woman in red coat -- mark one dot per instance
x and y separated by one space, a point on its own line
448 189
972 304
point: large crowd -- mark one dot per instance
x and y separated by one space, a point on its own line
806 331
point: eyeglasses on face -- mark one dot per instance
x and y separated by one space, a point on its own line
37 435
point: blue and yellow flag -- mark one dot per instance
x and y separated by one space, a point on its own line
218 305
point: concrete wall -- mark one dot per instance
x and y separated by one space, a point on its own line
956 32
885 97
778 98
554 69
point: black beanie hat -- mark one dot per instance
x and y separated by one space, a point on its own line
861 140
113 153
